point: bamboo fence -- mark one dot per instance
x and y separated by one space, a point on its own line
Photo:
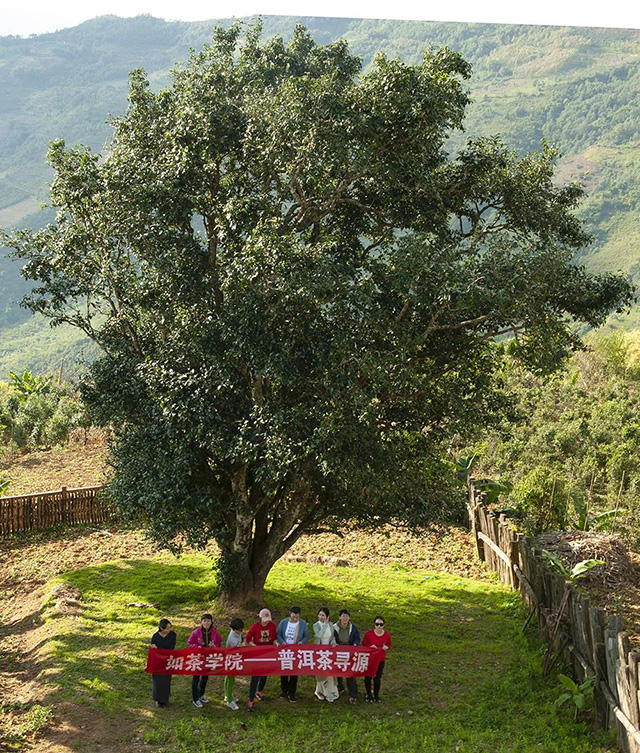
591 641
32 512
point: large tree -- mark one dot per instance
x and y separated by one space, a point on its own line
297 291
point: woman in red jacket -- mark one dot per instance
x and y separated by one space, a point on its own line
203 636
376 638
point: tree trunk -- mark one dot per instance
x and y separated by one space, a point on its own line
246 583
246 570
264 530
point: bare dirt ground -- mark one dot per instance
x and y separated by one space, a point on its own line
72 465
28 562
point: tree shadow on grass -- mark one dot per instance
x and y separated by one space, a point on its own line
164 585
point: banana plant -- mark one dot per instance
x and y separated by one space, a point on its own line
579 570
493 489
584 520
463 467
580 695
29 383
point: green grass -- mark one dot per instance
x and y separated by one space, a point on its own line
19 722
461 675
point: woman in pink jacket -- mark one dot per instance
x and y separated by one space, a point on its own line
202 637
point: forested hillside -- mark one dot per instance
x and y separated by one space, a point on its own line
576 88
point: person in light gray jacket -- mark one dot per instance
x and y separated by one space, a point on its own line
291 630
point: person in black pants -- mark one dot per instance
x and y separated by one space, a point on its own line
376 638
346 634
161 684
261 633
202 637
291 630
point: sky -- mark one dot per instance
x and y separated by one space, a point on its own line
37 16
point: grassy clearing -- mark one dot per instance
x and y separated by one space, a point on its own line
461 676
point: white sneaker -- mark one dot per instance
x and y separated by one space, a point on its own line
204 699
233 706
198 704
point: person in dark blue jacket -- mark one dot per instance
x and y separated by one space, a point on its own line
346 634
291 630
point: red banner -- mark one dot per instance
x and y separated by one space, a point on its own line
296 659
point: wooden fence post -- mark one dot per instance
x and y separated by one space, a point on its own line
65 515
597 627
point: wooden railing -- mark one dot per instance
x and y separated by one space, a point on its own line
591 641
31 512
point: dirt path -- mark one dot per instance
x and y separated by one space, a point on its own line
28 563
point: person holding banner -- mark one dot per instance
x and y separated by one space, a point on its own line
234 640
261 633
161 684
376 638
291 630
326 687
346 634
264 657
202 637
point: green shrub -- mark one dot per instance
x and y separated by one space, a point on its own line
578 431
542 495
42 416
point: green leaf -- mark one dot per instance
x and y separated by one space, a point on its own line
561 699
568 683
581 568
493 489
556 563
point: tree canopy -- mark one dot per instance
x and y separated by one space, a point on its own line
297 291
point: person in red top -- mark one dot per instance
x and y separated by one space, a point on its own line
376 638
260 633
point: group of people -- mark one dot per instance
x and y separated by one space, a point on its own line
290 630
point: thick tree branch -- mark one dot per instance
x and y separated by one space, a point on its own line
459 325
